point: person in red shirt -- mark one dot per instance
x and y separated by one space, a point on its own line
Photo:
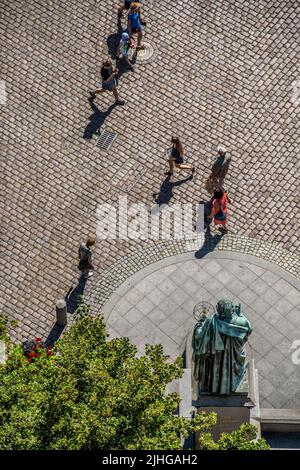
220 209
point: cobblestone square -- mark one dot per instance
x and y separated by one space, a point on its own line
223 72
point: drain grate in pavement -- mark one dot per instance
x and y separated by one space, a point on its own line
106 139
128 175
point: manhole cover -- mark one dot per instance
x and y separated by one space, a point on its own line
128 175
144 55
106 139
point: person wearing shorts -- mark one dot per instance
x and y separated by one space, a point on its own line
134 24
176 157
126 5
109 82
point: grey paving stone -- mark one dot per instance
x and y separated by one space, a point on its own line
213 268
167 286
157 296
275 357
157 316
179 276
294 297
256 269
247 276
121 326
190 267
145 326
260 306
264 367
273 316
283 306
248 297
123 306
133 296
179 336
278 399
283 287
236 286
168 326
288 369
274 336
285 327
190 286
225 277
270 278
262 346
271 296
180 316
145 286
259 286
294 317
201 277
133 316
251 314
284 347
180 296
276 377
266 387
145 306
168 306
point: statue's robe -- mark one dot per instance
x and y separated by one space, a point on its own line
219 354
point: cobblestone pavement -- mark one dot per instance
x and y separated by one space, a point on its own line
223 72
156 306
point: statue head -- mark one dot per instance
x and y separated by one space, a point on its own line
225 309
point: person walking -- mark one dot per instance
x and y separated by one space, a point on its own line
123 49
176 153
134 24
126 6
219 171
85 258
220 209
109 83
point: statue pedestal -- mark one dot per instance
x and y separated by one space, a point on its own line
232 410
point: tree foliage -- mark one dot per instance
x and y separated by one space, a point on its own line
242 439
95 394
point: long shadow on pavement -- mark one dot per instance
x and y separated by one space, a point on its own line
166 190
210 242
73 296
96 120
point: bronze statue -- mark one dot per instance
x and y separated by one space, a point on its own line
218 349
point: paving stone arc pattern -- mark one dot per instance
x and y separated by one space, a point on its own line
156 306
241 92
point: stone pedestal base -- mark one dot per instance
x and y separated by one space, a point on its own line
232 410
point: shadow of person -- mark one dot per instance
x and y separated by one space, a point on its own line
210 241
73 296
96 120
113 40
166 190
54 335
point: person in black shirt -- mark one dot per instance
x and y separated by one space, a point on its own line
176 153
108 75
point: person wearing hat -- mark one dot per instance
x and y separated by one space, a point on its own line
123 49
134 24
126 5
109 82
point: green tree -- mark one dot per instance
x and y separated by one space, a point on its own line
93 393
242 439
